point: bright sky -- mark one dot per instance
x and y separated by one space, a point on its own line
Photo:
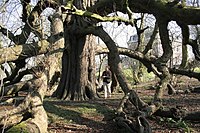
120 34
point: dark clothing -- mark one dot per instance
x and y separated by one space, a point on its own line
107 75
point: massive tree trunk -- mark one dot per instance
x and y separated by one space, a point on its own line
78 68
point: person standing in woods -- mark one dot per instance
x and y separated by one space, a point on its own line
107 77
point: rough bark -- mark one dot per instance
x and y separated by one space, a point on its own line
55 51
31 108
116 66
76 66
19 75
114 78
114 82
19 52
152 39
115 60
164 37
78 72
161 8
135 121
13 89
30 115
14 71
185 37
177 114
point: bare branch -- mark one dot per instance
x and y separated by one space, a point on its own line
31 20
95 16
26 10
153 36
8 34
164 36
15 71
149 60
187 40
190 74
23 51
2 8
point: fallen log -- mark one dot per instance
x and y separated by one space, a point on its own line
133 121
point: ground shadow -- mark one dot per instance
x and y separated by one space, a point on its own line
62 109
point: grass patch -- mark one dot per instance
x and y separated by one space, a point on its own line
75 112
19 128
147 99
146 76
197 69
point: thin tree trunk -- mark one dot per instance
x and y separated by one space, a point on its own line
185 37
184 61
162 61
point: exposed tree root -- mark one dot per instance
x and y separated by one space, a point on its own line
134 120
171 90
30 114
178 113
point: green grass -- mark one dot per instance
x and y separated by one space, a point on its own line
19 128
197 69
74 112
146 76
181 124
129 74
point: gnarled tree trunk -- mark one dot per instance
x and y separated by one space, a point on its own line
30 116
78 68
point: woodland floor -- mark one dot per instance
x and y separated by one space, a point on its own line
100 120
96 116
